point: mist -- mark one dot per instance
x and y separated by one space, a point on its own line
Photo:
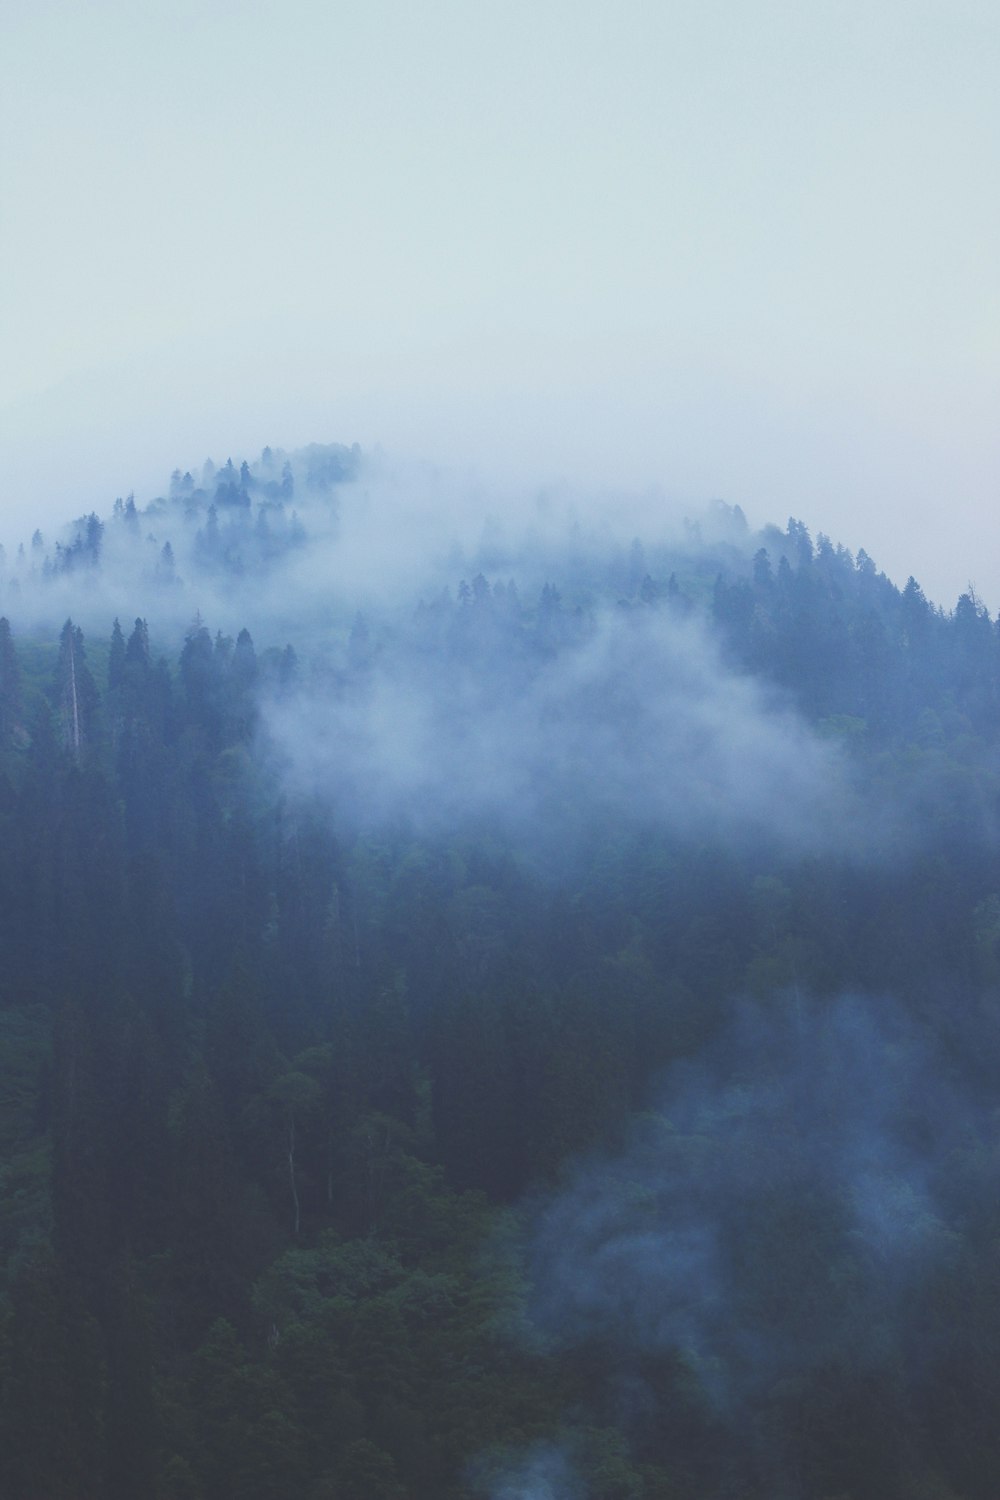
573 924
302 540
684 435
843 1110
544 1473
499 887
474 653
423 696
634 721
785 1210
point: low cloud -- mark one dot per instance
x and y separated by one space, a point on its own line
302 541
777 1213
633 717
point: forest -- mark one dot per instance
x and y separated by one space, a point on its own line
492 1010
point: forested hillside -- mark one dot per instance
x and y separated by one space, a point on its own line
525 1026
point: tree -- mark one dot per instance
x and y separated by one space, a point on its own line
75 693
296 1096
116 657
10 689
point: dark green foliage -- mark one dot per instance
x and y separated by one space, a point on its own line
11 727
279 1090
51 1408
75 696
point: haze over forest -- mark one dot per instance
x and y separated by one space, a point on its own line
501 997
728 252
500 888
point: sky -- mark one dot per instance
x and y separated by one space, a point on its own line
712 249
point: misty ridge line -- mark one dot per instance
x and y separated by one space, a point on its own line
594 676
330 518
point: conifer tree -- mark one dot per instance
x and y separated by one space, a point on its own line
10 688
75 693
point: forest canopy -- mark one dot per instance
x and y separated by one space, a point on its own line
492 1003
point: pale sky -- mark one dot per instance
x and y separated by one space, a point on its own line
736 248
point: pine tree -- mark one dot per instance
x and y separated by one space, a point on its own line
10 689
75 693
116 656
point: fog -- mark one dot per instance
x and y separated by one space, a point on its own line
549 314
347 530
879 479
781 1211
636 721
476 653
478 721
420 696
839 1109
720 252
544 1473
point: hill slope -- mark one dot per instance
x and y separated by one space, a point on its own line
492 1006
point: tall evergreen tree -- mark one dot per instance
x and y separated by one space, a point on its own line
10 689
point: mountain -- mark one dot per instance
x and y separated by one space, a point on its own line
500 995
